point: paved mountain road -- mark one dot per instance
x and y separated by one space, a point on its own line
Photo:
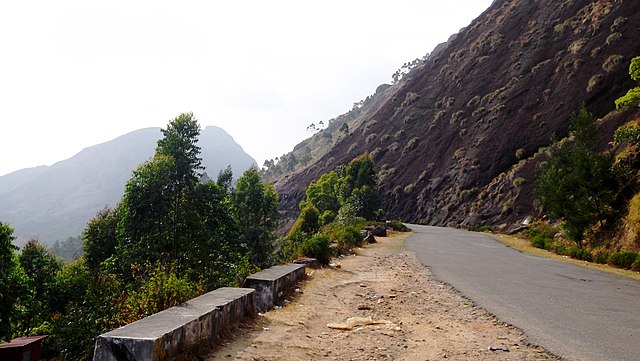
574 312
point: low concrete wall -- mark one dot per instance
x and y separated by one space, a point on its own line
168 333
273 284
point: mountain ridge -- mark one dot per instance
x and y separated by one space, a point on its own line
55 202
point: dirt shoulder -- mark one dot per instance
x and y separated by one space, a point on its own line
380 304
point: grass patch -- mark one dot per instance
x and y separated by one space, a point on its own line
525 246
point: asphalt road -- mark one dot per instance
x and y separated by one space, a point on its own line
574 312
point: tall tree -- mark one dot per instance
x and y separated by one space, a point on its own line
256 206
576 183
100 238
180 143
41 268
12 279
359 189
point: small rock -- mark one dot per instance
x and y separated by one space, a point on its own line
498 348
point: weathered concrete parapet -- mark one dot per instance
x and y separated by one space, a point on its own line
272 284
168 333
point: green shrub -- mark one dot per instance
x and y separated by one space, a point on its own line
308 221
622 259
613 37
579 253
544 229
541 236
539 241
636 265
288 248
347 237
601 257
477 228
318 247
327 217
398 226
560 249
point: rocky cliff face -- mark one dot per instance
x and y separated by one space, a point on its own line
456 142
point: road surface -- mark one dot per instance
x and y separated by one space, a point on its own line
574 312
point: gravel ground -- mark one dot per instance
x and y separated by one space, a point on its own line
381 304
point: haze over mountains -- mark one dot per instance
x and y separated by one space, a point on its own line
53 203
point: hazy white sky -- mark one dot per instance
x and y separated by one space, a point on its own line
78 73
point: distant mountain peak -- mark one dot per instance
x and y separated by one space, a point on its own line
55 202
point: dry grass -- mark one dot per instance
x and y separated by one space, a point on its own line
525 246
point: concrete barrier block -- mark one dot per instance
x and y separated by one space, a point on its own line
173 331
273 284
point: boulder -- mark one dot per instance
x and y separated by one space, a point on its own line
370 238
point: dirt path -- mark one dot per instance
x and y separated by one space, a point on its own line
415 316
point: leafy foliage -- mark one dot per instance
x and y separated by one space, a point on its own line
318 247
359 188
69 249
576 183
12 279
623 259
100 238
629 134
309 220
632 98
41 268
174 235
256 204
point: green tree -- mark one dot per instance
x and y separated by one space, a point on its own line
576 183
632 98
359 188
172 215
256 205
12 279
41 268
148 229
323 194
225 179
180 143
100 238
308 221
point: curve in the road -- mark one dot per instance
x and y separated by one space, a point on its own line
574 312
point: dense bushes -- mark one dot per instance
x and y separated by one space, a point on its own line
543 235
318 247
576 183
622 259
347 237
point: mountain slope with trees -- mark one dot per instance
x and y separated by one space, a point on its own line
175 234
457 141
54 203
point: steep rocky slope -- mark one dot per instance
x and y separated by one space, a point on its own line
53 203
454 142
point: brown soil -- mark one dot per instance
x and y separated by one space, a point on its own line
416 317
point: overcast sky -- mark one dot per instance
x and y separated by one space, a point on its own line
78 73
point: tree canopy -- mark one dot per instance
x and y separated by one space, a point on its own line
632 98
576 183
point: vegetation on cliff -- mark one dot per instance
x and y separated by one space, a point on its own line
593 194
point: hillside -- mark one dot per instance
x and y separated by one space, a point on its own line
454 142
53 203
